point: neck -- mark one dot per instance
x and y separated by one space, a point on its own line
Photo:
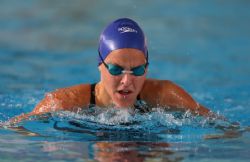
102 97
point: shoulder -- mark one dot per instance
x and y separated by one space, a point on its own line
73 96
152 85
163 92
68 98
79 89
166 93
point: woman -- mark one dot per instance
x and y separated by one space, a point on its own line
123 65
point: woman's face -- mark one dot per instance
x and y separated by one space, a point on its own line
124 88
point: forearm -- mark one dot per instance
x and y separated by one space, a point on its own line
205 111
42 107
18 119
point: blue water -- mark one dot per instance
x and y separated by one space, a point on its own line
201 45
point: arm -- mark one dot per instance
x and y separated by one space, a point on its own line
167 94
177 97
70 99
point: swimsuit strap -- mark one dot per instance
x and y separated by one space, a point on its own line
92 94
138 97
141 105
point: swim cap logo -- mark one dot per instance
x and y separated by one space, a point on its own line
126 30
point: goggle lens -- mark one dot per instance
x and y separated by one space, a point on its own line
117 70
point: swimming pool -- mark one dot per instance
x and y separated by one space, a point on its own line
201 45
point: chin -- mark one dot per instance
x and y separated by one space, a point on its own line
124 104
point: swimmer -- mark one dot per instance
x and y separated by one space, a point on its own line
123 62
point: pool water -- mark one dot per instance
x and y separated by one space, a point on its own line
201 45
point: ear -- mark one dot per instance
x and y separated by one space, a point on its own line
146 70
100 67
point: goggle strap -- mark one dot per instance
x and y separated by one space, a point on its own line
102 59
106 64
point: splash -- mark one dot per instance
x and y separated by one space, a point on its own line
114 124
125 119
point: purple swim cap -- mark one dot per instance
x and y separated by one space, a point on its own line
122 33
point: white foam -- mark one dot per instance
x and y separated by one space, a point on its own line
125 119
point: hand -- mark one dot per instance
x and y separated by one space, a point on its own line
18 119
232 131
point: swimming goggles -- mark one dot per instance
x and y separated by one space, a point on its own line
117 70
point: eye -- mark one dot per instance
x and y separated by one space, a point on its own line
114 69
139 70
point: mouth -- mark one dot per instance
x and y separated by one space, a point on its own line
124 92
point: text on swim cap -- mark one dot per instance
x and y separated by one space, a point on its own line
126 30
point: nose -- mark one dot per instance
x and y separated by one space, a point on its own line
126 79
